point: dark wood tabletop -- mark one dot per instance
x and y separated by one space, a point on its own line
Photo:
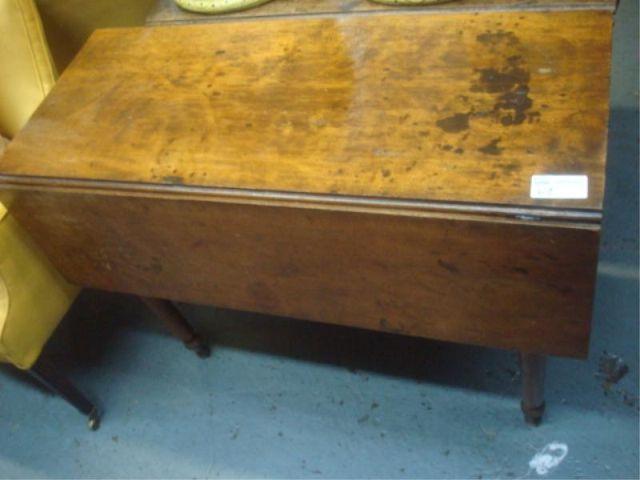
459 107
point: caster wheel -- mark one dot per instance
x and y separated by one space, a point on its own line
93 421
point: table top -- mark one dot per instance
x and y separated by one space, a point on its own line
459 107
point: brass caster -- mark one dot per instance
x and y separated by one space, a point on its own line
93 421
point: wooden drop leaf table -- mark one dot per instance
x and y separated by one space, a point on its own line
435 172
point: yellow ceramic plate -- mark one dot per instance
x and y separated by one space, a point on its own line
410 2
218 6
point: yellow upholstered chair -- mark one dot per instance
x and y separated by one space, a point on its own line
33 295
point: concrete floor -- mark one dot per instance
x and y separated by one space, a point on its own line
282 398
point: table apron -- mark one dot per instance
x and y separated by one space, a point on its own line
499 284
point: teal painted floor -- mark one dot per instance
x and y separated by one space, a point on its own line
289 399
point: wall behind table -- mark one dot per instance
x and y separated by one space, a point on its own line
68 23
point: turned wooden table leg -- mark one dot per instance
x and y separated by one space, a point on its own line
177 325
533 372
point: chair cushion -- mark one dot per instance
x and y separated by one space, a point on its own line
33 295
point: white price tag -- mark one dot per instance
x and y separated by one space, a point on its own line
560 186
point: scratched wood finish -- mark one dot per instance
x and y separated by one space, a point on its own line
498 284
456 107
166 11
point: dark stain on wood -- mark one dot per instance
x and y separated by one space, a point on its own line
510 84
457 122
510 81
450 267
492 148
515 103
492 80
492 38
553 144
509 168
534 117
175 179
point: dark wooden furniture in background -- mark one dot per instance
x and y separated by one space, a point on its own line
364 166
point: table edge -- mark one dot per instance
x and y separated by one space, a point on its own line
534 215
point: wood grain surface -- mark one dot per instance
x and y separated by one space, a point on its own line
497 284
166 11
458 107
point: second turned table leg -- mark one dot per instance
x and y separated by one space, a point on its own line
177 325
533 372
